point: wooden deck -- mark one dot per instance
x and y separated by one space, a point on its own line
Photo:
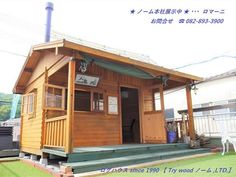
85 159
114 148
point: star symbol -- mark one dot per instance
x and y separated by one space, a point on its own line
186 11
132 11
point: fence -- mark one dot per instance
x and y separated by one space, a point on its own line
207 124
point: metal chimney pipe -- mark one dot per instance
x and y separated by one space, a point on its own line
49 9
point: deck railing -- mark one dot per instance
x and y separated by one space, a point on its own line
55 132
207 124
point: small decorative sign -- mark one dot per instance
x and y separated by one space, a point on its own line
112 105
86 80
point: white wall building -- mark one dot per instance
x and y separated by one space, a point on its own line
216 90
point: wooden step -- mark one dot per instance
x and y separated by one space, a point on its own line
92 165
104 152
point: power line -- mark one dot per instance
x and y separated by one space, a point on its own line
15 21
58 35
205 61
16 37
12 53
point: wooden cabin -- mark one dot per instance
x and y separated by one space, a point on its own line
76 95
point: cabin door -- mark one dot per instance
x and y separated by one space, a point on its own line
153 121
154 128
130 115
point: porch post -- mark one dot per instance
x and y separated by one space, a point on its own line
70 105
161 89
44 112
190 113
162 98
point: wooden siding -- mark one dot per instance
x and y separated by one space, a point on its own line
107 78
55 113
32 126
89 128
95 129
47 60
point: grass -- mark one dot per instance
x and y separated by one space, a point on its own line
20 169
209 166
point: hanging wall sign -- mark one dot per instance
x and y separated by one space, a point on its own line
86 80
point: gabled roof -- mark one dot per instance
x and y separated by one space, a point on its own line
113 55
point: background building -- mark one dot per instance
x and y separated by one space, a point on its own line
213 91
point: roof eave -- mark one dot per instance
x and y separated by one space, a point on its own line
50 45
15 90
104 54
126 60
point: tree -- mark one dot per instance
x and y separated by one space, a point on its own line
5 106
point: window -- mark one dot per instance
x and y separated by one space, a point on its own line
28 103
87 101
98 102
25 104
157 101
54 97
82 100
148 100
152 100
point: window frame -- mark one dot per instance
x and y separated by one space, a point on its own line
30 114
149 96
62 108
92 101
91 91
84 90
23 112
157 90
31 104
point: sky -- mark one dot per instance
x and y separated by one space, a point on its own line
112 23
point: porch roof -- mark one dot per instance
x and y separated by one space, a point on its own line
66 47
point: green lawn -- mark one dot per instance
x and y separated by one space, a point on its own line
19 169
213 165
